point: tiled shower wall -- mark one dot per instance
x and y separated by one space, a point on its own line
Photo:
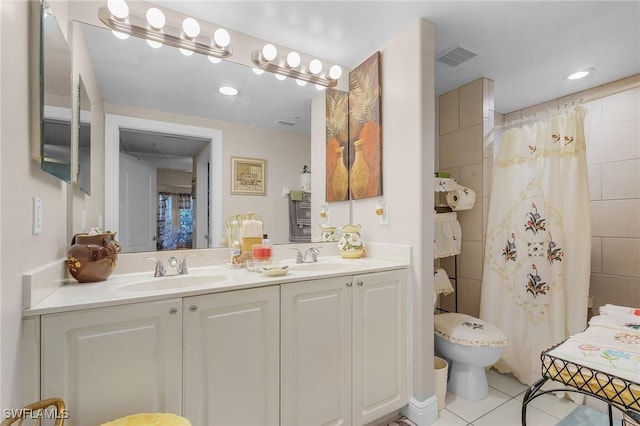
613 155
465 115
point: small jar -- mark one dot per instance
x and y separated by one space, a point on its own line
261 252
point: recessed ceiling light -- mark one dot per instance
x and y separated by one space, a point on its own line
229 91
580 74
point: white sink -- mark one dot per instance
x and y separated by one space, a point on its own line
173 282
327 266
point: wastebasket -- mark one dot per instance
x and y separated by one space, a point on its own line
440 368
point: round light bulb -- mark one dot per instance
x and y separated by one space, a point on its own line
293 59
281 77
213 59
320 87
120 35
118 8
221 37
191 27
156 18
186 52
229 91
301 83
269 52
154 44
257 71
315 66
335 72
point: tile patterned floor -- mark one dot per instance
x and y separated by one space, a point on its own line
501 408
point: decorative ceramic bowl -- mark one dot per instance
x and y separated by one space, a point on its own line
274 271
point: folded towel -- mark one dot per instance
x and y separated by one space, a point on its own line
295 195
609 309
441 283
618 322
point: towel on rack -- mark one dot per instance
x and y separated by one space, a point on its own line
441 283
295 195
299 221
447 235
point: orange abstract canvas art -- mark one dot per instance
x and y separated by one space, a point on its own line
337 140
365 130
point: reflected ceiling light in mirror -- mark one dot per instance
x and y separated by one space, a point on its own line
227 90
267 60
301 83
154 44
119 35
118 8
186 52
580 74
155 18
257 71
214 60
191 27
320 87
153 26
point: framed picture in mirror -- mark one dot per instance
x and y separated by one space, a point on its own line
248 176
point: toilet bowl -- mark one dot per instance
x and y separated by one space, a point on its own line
470 345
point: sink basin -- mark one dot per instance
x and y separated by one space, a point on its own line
327 266
174 282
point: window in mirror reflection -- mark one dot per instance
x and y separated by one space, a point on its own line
175 221
84 140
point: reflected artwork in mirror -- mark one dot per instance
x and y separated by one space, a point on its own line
138 83
55 97
84 139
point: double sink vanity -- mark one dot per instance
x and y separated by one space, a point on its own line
324 344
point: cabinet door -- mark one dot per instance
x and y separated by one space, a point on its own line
232 358
316 352
379 345
111 362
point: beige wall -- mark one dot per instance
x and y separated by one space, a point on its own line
465 115
20 180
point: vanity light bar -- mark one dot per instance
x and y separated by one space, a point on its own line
274 67
137 26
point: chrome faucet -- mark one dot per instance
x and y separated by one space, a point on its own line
314 254
159 271
299 258
173 266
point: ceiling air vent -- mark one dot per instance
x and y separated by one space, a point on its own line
286 123
456 55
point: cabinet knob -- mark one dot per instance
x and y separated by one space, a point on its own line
349 284
193 308
173 311
359 282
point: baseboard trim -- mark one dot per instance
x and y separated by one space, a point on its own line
422 413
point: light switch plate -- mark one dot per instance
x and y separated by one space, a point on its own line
37 215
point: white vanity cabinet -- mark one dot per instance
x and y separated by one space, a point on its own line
343 349
232 357
110 362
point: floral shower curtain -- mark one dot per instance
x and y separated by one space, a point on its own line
538 249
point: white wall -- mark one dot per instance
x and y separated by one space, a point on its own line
20 180
408 145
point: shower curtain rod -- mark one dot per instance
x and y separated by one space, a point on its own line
537 115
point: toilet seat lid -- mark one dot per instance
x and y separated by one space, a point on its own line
467 330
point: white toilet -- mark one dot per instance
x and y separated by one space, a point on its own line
469 344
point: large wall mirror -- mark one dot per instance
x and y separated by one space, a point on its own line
55 95
136 79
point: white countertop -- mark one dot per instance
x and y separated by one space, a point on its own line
121 289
